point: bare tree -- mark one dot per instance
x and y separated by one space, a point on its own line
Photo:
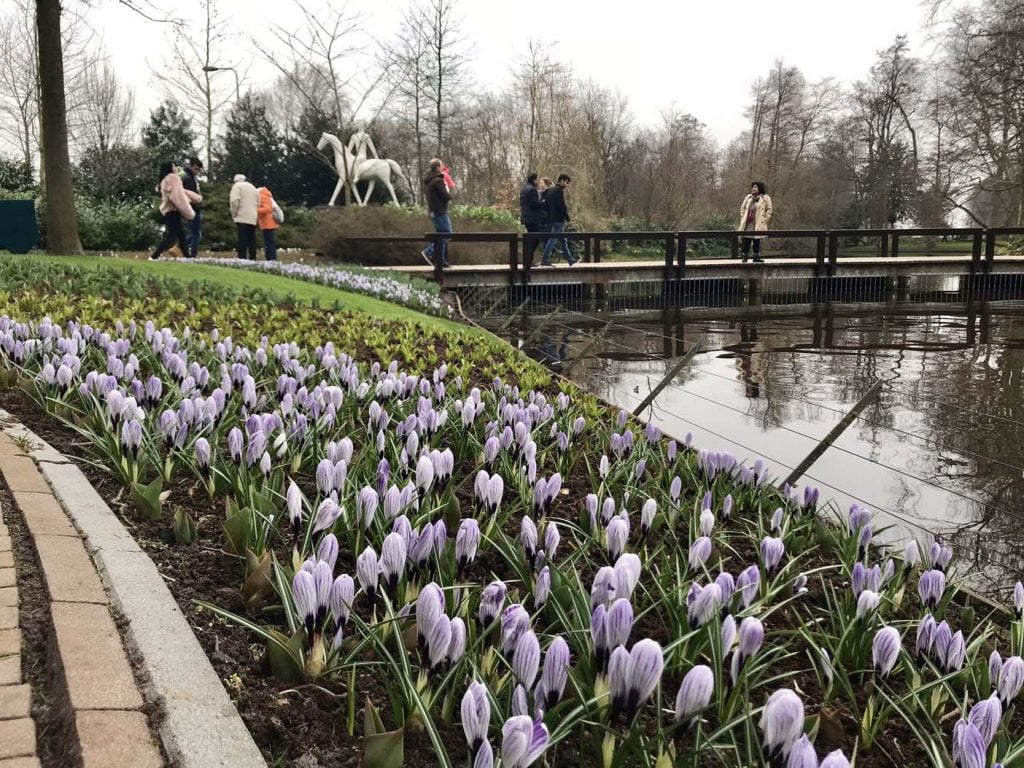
447 56
190 76
320 64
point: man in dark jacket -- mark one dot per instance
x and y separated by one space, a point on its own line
438 197
558 215
193 170
531 214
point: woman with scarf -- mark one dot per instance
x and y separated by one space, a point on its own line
755 217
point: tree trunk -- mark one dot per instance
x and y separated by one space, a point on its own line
61 222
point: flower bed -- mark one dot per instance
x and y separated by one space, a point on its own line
465 568
416 294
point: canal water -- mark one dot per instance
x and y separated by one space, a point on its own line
938 449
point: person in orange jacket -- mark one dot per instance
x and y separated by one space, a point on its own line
268 224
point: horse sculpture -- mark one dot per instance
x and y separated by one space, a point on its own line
360 167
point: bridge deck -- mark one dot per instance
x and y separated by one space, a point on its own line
614 271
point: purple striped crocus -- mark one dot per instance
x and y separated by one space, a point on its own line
467 540
542 589
514 622
931 586
627 574
700 551
835 759
343 594
327 550
705 605
523 741
647 513
616 535
555 674
986 716
476 716
528 538
633 676
439 640
867 604
782 724
694 693
885 650
1018 599
368 571
772 552
526 658
1011 679
304 596
392 560
969 747
747 584
803 754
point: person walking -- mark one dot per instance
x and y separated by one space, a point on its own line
244 202
176 207
531 215
270 218
193 169
558 216
438 196
755 216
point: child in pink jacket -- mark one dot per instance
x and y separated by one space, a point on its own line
176 207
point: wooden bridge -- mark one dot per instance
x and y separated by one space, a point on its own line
597 268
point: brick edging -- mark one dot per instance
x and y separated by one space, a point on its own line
201 727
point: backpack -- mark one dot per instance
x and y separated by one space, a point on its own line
276 212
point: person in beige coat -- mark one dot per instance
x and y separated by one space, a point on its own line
755 217
245 202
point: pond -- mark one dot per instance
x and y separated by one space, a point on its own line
937 449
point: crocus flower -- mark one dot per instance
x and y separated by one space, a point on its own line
969 746
476 715
618 624
367 571
700 551
1011 678
986 716
694 692
616 534
326 514
835 759
633 678
203 455
492 598
782 723
424 475
931 587
705 605
885 650
803 754
772 552
366 506
343 594
393 554
429 606
995 666
555 674
293 499
605 587
727 508
523 741
542 589
727 635
940 556
956 652
526 658
911 555
867 604
266 464
551 540
235 441
305 598
707 522
467 540
439 640
325 477
647 513
747 584
514 621
627 572
776 521
1018 599
751 636
925 635
528 538
327 550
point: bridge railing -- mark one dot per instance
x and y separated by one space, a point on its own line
827 244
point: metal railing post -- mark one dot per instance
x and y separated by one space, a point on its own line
681 251
885 244
439 258
513 258
976 250
597 250
734 246
670 243
833 251
819 257
895 245
990 249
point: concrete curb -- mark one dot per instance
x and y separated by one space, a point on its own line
201 727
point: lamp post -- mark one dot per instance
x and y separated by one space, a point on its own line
209 109
238 89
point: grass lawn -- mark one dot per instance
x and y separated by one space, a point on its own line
302 291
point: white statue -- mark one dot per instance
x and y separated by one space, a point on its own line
360 167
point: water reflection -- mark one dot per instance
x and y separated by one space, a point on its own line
939 449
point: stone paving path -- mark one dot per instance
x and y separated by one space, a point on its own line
102 702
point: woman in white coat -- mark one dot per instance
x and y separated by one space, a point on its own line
755 218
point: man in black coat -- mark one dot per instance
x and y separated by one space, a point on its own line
558 215
438 197
531 214
193 170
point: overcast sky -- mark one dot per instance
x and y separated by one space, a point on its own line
700 57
